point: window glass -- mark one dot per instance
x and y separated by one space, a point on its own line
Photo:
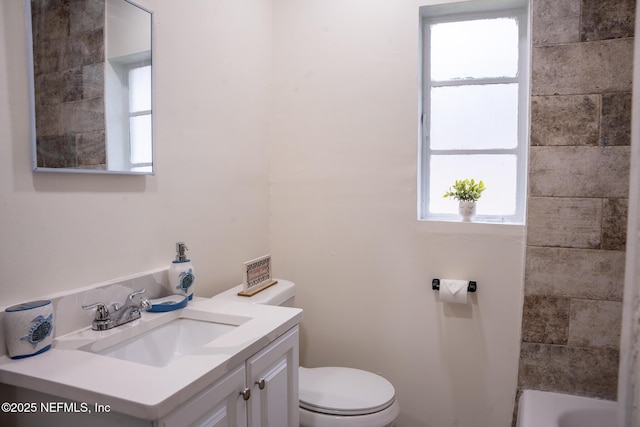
140 89
497 171
474 49
473 117
140 138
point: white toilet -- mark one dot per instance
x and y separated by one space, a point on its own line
331 396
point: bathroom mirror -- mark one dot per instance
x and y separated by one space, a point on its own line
91 88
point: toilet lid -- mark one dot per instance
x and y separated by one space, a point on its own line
344 391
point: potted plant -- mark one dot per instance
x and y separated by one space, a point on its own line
467 192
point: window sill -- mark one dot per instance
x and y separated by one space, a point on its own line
441 226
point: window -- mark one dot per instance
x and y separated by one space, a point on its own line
474 107
128 107
140 127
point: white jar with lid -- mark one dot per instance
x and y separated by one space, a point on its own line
28 328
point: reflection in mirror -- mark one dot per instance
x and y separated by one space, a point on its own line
91 86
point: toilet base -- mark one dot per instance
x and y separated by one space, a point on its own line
384 418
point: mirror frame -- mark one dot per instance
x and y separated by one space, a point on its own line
32 110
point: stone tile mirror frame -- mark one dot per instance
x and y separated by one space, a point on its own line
83 56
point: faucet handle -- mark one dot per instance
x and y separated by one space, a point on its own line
134 294
145 304
102 313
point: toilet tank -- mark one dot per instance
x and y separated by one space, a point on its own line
282 293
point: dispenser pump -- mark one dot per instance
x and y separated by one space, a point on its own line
180 252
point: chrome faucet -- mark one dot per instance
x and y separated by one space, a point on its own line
120 314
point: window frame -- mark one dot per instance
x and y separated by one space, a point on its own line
456 12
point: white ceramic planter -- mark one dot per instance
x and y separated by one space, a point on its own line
467 210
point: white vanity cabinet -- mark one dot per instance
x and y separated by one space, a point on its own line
272 377
263 392
221 405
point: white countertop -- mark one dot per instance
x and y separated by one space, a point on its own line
143 391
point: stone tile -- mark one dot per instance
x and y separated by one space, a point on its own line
564 222
93 81
565 120
579 171
578 68
594 372
48 89
573 370
82 49
616 119
48 120
92 149
595 324
609 19
82 116
86 16
56 151
50 24
545 319
555 21
72 84
40 5
544 367
577 273
46 57
614 224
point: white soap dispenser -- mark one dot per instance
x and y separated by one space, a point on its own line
181 275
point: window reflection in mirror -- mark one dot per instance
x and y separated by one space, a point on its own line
92 91
140 118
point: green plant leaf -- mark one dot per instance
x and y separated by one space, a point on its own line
466 189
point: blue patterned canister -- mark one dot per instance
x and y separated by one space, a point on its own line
28 328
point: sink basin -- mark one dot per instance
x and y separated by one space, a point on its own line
166 343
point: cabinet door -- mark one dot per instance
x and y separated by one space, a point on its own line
218 406
272 376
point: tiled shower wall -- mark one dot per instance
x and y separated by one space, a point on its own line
68 59
582 54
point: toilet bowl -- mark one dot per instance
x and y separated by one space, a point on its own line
331 396
336 396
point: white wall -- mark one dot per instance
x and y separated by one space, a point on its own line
344 228
212 100
343 188
125 29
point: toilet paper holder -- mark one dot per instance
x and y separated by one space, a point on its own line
472 287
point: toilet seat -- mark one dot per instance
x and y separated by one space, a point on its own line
344 391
